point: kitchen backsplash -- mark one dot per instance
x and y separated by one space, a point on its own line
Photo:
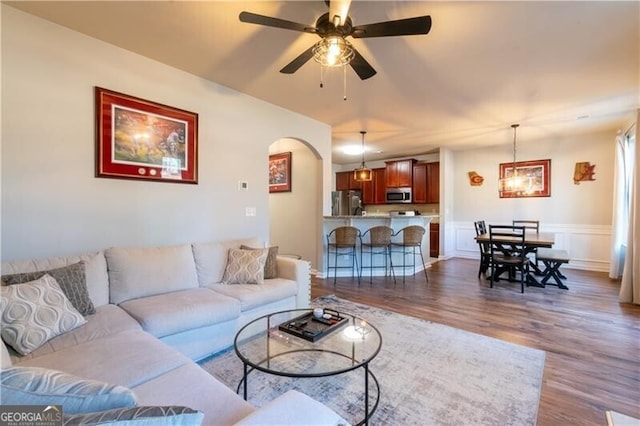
424 209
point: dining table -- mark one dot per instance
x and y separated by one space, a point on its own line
532 241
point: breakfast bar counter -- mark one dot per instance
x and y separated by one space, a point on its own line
363 223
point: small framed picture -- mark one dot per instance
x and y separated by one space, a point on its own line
280 172
140 139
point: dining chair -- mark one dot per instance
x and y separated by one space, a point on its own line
343 241
506 245
377 241
485 254
533 225
410 241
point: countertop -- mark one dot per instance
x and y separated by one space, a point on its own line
384 216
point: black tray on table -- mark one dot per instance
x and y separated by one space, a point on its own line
310 328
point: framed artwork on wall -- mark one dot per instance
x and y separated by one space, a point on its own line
534 179
140 139
280 172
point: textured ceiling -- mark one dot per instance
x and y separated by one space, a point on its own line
556 68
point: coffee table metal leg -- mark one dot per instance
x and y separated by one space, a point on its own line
366 393
245 381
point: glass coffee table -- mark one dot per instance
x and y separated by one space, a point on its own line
272 344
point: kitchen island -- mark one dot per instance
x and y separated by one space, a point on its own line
363 223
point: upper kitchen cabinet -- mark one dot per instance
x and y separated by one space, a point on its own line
374 191
399 173
345 181
426 183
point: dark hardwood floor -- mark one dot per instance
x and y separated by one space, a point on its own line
591 340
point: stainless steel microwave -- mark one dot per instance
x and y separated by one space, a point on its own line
398 195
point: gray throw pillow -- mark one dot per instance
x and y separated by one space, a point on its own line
42 386
271 265
71 280
139 416
34 312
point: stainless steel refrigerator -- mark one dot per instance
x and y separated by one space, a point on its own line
346 203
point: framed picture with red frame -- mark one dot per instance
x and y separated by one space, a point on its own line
280 172
144 140
534 179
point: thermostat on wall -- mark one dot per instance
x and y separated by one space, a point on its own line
243 185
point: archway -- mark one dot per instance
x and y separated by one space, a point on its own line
295 217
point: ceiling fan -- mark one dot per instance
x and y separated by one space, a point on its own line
333 28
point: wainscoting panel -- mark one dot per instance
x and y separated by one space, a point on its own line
588 245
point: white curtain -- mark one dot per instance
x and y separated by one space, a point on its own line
630 286
620 209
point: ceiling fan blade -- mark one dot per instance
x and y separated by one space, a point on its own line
339 8
253 18
401 27
302 59
361 66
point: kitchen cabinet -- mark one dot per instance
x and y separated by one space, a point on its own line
399 173
434 239
426 183
374 191
345 181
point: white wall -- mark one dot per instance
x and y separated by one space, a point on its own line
589 203
52 203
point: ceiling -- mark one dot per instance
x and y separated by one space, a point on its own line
557 68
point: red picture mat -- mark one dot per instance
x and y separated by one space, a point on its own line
140 139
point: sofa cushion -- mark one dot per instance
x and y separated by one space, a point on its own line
252 296
127 358
171 313
293 408
71 280
245 266
95 271
271 264
138 416
198 390
34 312
108 320
42 386
5 359
141 272
211 258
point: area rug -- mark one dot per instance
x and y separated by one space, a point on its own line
429 374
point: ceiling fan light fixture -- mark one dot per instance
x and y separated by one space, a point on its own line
363 173
333 51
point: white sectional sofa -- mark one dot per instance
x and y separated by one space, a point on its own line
160 309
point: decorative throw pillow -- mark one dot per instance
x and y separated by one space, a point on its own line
71 280
35 312
42 386
271 265
245 266
139 416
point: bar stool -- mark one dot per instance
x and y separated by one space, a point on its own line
411 239
377 241
343 241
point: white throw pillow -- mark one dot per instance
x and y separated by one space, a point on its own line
42 386
245 266
34 312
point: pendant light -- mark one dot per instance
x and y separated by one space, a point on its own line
363 173
514 183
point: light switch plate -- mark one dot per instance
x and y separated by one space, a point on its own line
250 211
